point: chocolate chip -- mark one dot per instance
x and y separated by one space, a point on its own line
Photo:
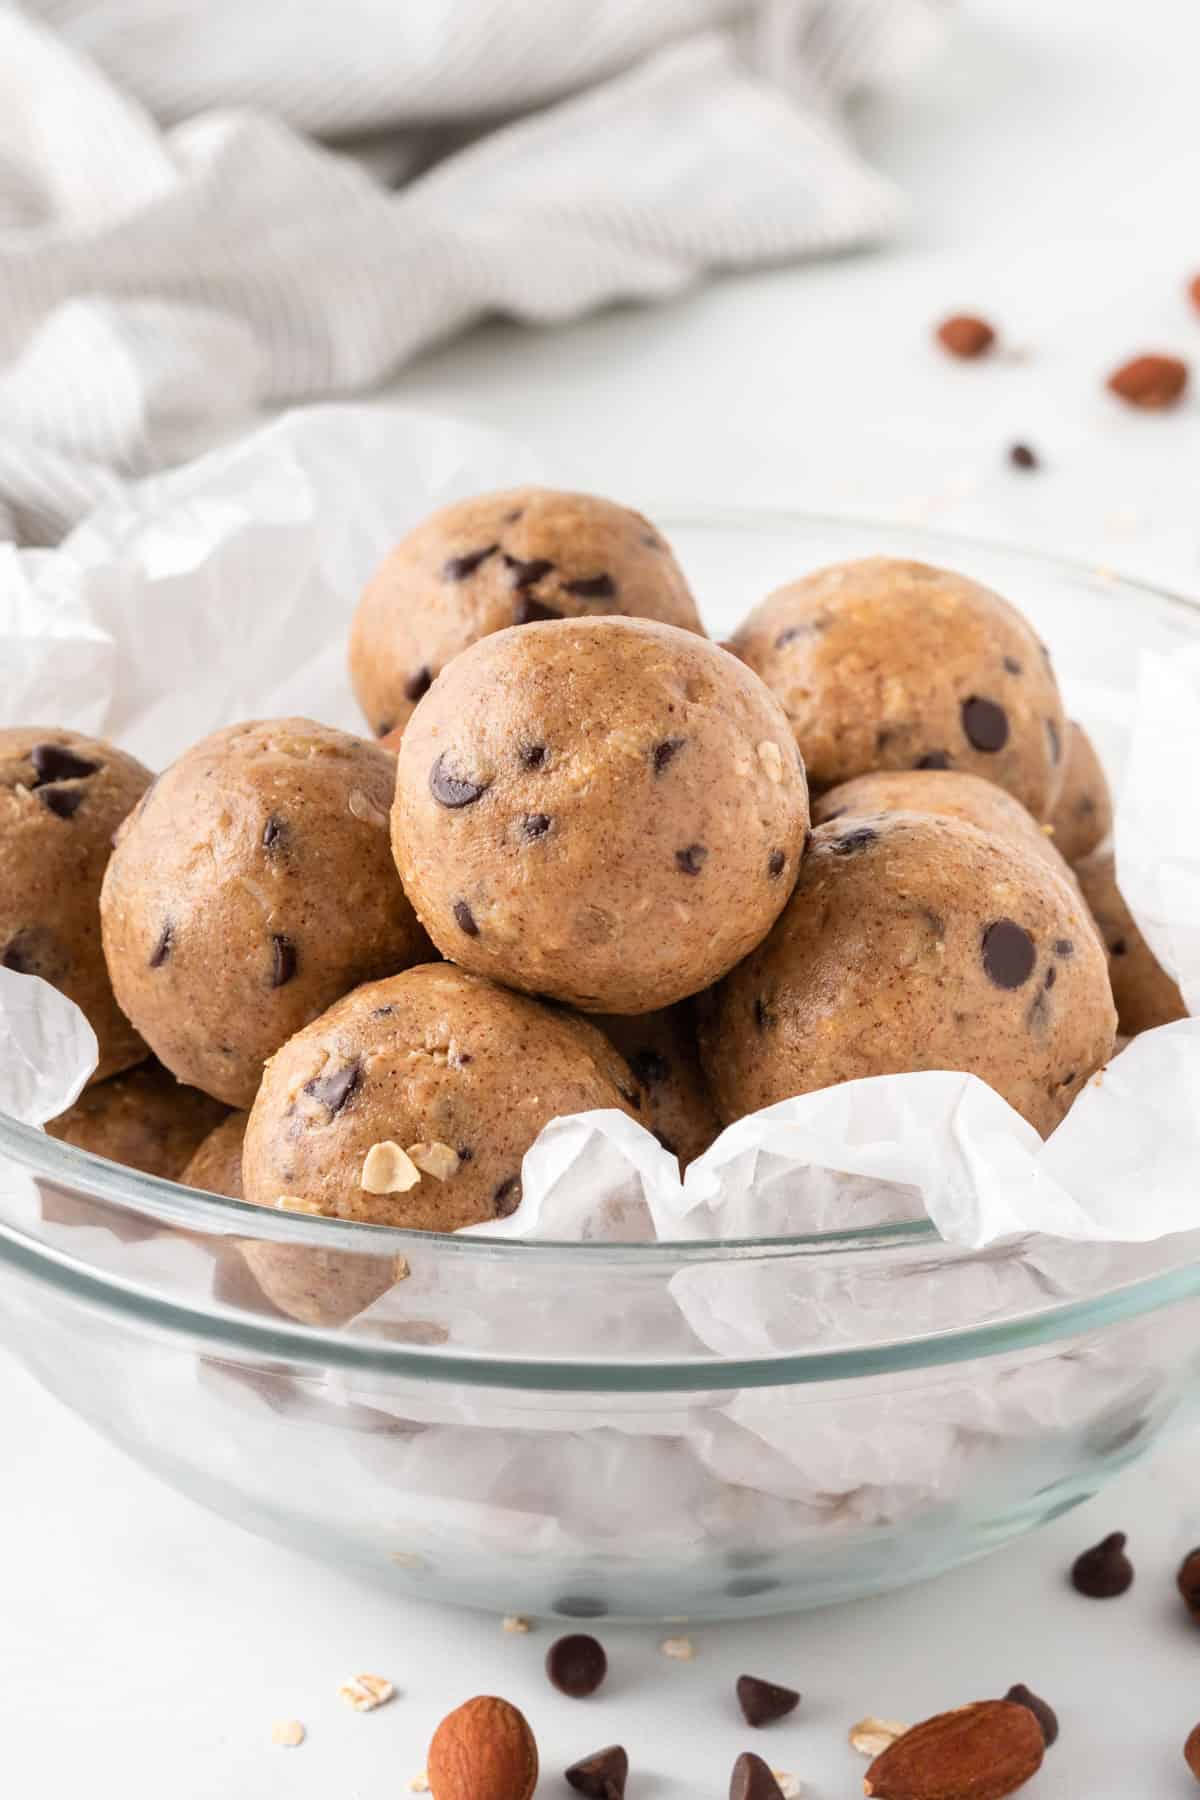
602 1775
275 834
164 946
535 825
1068 1078
776 863
650 1066
753 1780
762 1702
859 839
985 724
335 1089
1051 977
530 611
1055 739
665 752
1012 665
418 684
459 567
1063 947
691 860
1104 1571
533 756
933 759
465 918
451 790
1022 457
63 802
593 587
1118 947
1188 1582
283 960
1008 953
465 1152
54 762
576 1665
1045 1715
507 1197
527 574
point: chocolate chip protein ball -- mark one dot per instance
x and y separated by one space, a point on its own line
497 560
1145 994
883 664
61 798
252 888
607 811
1082 816
947 793
412 1101
915 942
216 1166
143 1118
661 1050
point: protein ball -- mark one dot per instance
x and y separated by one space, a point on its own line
144 1119
660 1048
61 798
915 942
1145 994
412 1101
216 1166
948 794
606 811
1082 816
496 560
252 888
882 664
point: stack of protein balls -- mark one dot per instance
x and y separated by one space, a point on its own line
601 821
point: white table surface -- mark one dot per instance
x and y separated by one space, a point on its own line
1053 161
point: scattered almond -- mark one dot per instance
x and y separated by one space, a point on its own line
516 1624
484 1750
288 1732
365 1692
965 335
980 1752
1150 382
871 1737
788 1784
438 1160
419 1784
363 808
387 1169
400 1268
680 1649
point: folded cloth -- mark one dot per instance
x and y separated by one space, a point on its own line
199 209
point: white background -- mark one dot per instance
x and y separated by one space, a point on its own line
1053 164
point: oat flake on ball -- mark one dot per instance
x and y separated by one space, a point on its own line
610 812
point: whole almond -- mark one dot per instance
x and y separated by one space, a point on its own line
1150 382
981 1752
965 335
484 1750
1194 291
1191 1751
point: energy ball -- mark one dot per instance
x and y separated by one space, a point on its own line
216 1165
61 798
497 560
610 812
412 1101
252 888
915 942
143 1118
661 1050
883 664
947 793
1145 994
1082 816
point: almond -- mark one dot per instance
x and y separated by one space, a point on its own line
484 1750
1150 382
965 335
1194 291
981 1752
1191 1751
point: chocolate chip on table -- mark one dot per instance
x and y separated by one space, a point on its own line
335 1089
665 752
933 759
576 1665
762 1702
533 756
527 574
592 587
963 334
63 802
164 946
1047 1718
985 723
1188 1583
531 611
465 918
650 1066
452 790
776 863
752 1779
1104 1571
1021 456
602 1775
853 841
54 762
507 1197
1008 953
1191 1750
283 960
535 825
274 835
691 860
460 567
418 684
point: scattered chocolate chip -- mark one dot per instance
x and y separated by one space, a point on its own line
1055 740
451 790
763 1016
507 1197
691 860
933 759
1008 953
1063 947
576 1665
965 335
602 1775
63 802
418 684
335 1089
465 1152
54 762
1188 1583
533 756
762 1702
164 946
275 833
776 863
1021 456
1118 947
459 567
535 825
650 1066
1045 1715
527 574
465 918
283 960
592 587
985 724
1051 977
854 841
1104 1571
665 752
580 1606
753 1780
1012 665
531 611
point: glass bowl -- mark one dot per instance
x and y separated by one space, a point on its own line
570 1430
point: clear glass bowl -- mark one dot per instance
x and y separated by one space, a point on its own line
568 1429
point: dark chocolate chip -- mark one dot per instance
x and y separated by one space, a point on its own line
164 946
933 759
531 611
691 860
1104 1571
1055 740
535 825
1051 977
576 1665
753 1780
1118 947
54 762
580 1606
985 724
1045 1715
650 1066
763 1016
776 863
1188 1582
336 1088
1008 953
418 684
459 567
665 752
527 574
762 1702
1022 457
465 1152
859 839
533 756
602 1775
1063 947
451 790
283 960
507 1197
593 587
63 802
275 834
1012 665
465 918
